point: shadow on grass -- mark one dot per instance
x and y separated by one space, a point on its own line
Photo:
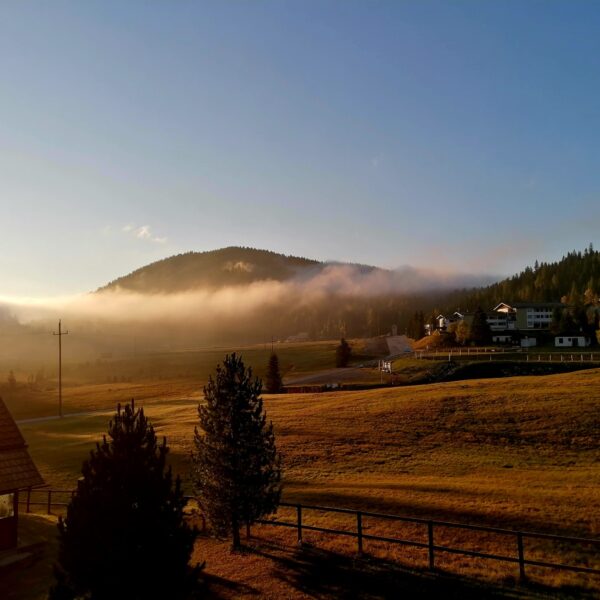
328 575
365 502
32 579
218 587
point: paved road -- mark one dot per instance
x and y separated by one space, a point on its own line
56 417
347 375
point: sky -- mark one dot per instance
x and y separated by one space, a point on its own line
455 135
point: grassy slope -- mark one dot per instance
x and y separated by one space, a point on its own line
519 452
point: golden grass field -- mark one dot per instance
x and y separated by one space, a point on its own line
519 452
156 376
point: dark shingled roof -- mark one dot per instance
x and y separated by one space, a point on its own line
16 467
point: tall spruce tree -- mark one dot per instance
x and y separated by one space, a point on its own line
273 381
124 535
342 354
237 473
480 332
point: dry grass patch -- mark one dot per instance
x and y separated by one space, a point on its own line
517 453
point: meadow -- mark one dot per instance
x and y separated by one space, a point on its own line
519 452
99 384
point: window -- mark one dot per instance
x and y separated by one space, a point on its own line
7 506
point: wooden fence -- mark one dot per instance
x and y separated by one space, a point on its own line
429 529
570 355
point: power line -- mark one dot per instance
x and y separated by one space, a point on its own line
60 334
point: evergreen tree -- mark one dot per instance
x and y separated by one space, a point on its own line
557 314
342 354
420 329
274 383
566 325
236 471
480 332
124 536
462 332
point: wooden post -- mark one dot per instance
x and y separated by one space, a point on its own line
359 532
521 556
49 500
431 551
299 517
28 499
60 334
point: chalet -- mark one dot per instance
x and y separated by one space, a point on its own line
502 318
442 322
17 472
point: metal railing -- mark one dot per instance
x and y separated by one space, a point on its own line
430 545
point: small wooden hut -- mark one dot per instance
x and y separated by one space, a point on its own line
17 472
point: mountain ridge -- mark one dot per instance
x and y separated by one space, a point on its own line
211 269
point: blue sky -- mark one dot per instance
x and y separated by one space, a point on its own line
457 135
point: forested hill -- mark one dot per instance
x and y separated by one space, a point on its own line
574 279
217 268
214 269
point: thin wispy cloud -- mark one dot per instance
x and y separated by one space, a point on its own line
144 232
376 160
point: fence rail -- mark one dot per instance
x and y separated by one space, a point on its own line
564 355
49 498
430 545
430 526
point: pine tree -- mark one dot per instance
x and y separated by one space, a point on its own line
236 471
342 354
274 382
480 332
124 535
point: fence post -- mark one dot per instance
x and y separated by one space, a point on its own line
521 556
49 500
431 554
299 514
359 532
28 498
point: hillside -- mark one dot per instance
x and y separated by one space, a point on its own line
575 279
217 268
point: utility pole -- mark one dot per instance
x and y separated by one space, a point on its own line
60 334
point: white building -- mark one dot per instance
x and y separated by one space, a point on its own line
572 341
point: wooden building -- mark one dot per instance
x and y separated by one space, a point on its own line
17 472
